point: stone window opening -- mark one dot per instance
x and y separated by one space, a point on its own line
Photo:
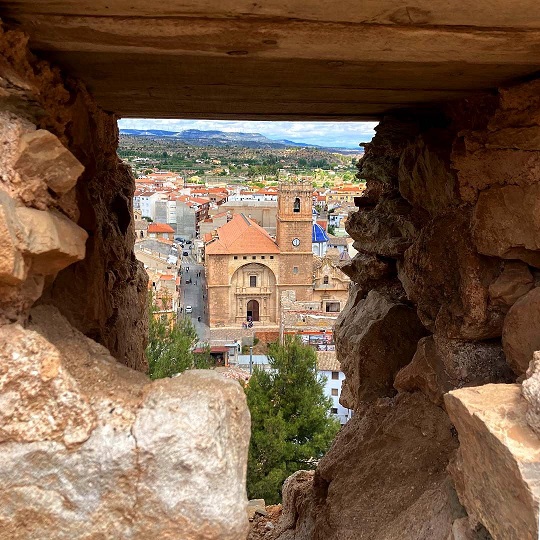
252 281
117 324
325 280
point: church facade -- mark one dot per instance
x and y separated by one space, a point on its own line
247 270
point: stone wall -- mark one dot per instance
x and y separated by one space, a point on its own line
60 174
91 448
445 300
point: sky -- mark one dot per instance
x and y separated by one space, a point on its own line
335 134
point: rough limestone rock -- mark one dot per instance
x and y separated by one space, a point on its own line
39 400
13 269
448 281
51 240
515 281
368 270
440 365
380 162
386 230
496 470
386 468
480 168
298 500
461 530
150 460
375 338
105 294
530 390
505 223
521 332
42 157
496 147
425 177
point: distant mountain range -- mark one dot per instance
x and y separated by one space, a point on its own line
198 137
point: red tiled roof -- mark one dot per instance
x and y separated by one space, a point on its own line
350 188
200 200
160 228
241 236
166 277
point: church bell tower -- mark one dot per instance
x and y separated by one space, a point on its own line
293 236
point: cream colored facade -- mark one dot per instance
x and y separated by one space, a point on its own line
247 270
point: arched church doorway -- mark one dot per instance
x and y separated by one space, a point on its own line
252 312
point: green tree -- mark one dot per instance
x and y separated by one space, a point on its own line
203 359
170 345
291 427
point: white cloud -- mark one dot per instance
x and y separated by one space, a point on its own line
343 134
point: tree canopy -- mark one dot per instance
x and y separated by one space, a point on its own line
291 427
170 345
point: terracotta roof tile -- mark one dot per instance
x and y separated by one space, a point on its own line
327 361
160 228
241 236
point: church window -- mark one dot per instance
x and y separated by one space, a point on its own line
295 270
296 205
325 280
332 307
252 281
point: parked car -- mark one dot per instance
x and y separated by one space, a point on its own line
188 241
185 254
189 309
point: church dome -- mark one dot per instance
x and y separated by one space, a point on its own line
318 234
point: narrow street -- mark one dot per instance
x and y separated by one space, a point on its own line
193 293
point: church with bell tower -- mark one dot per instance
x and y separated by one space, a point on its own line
247 270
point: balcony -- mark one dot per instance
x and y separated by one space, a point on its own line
254 291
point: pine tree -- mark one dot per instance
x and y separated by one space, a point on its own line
290 423
170 345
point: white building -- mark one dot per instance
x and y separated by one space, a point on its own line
328 366
146 203
165 211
